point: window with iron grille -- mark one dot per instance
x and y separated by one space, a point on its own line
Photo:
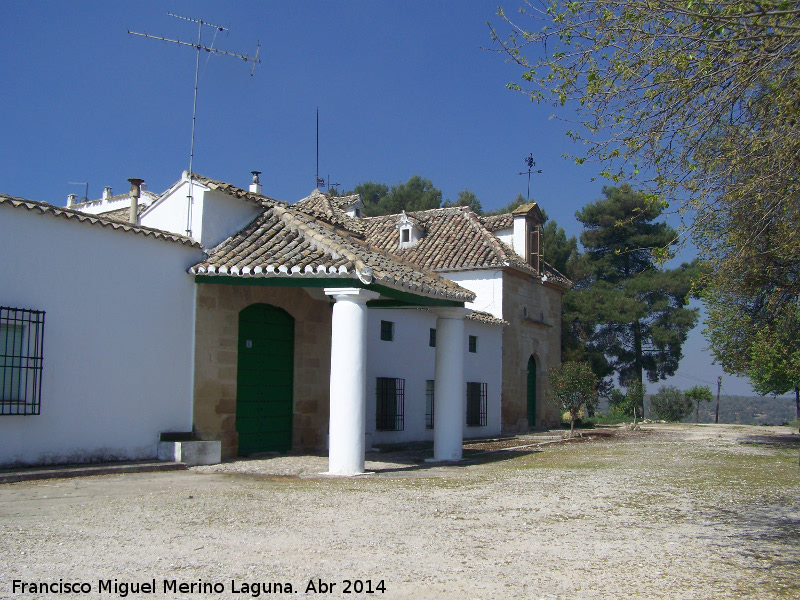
473 343
387 331
390 399
21 338
432 338
429 402
476 404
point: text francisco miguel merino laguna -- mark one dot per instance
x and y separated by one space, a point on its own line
252 589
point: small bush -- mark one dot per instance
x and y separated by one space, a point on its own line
613 417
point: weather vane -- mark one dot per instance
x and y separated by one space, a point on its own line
531 164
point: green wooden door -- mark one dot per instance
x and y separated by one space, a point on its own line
264 379
531 392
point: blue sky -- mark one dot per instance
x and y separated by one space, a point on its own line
402 88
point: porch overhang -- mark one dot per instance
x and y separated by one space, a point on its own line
389 297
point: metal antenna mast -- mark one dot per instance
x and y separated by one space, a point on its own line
199 46
320 182
531 164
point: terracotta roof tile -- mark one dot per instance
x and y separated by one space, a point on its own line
98 220
286 241
455 238
498 222
331 209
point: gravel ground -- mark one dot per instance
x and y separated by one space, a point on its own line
672 511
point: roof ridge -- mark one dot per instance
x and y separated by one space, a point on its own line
318 241
235 191
488 235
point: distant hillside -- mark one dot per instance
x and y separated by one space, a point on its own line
745 410
749 410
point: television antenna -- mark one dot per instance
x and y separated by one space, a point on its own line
531 164
321 180
199 46
86 192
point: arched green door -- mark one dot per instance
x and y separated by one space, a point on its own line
531 392
264 379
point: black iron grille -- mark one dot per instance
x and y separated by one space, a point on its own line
21 339
390 395
429 402
476 403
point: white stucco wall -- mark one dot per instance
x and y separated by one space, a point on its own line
488 288
169 213
410 357
506 236
118 338
215 215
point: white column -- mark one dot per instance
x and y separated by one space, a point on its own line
348 405
449 386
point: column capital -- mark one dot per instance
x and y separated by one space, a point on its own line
359 295
451 312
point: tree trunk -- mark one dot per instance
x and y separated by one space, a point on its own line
637 348
797 403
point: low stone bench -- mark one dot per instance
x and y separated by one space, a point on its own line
183 448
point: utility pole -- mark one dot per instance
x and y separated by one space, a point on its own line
719 386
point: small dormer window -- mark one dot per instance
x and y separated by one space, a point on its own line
410 231
358 213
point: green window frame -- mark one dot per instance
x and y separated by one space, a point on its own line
473 344
477 396
432 338
387 331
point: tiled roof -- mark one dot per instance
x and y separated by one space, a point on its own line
146 193
346 201
484 317
498 222
101 221
331 210
234 191
122 214
455 238
285 241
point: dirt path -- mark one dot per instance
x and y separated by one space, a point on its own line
669 512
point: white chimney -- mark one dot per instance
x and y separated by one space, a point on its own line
107 192
136 191
71 200
255 186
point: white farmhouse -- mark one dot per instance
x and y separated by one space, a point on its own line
306 326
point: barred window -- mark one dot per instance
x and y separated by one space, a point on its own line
432 338
21 338
476 404
387 331
390 399
473 343
429 402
